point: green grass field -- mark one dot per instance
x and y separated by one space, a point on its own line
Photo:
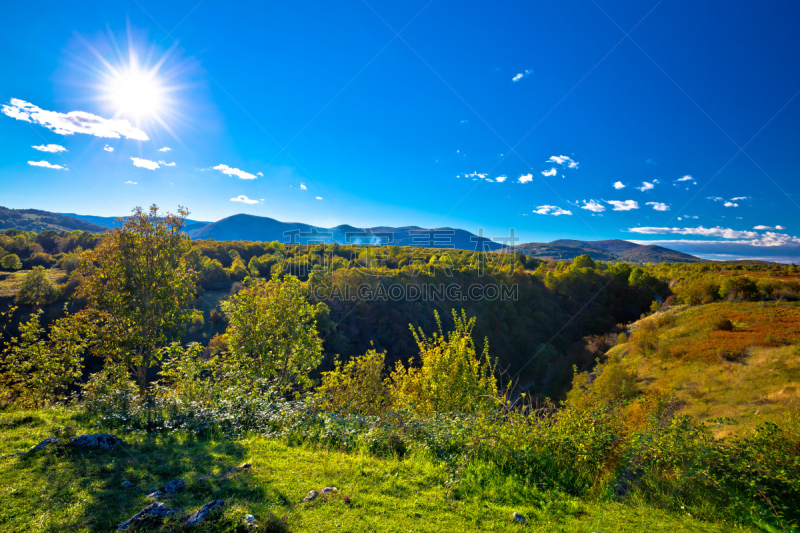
62 489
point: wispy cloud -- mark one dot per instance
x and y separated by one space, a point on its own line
501 179
725 233
230 171
551 172
658 206
563 160
108 148
686 178
626 205
715 198
259 174
593 206
45 164
769 227
551 210
319 197
525 178
303 186
521 75
129 182
144 163
165 149
167 164
244 199
739 198
646 186
52 148
73 122
619 185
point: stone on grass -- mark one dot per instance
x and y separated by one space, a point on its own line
45 443
328 490
201 514
250 520
518 518
242 468
126 484
171 487
312 495
150 515
97 440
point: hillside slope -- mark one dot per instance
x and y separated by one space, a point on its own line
750 374
37 220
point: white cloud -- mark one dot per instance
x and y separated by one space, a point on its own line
108 148
626 205
165 149
501 179
167 164
619 185
658 206
522 75
476 175
319 197
73 122
725 233
563 160
739 198
686 178
646 186
241 174
525 178
769 227
144 163
259 174
715 198
129 182
303 186
551 210
244 199
551 172
730 204
45 164
52 148
593 206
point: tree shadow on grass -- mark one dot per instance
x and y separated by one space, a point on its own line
69 477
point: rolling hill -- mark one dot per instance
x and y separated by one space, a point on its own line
608 250
36 220
254 228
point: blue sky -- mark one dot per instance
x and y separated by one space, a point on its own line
349 123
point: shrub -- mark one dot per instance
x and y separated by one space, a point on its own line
721 324
452 378
10 262
37 289
34 370
355 387
644 339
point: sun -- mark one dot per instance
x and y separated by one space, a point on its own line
137 94
136 80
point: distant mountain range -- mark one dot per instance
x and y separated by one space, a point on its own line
610 250
255 228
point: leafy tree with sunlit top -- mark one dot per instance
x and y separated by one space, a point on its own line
138 286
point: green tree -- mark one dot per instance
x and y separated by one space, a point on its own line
33 369
583 261
138 287
272 333
37 288
10 262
